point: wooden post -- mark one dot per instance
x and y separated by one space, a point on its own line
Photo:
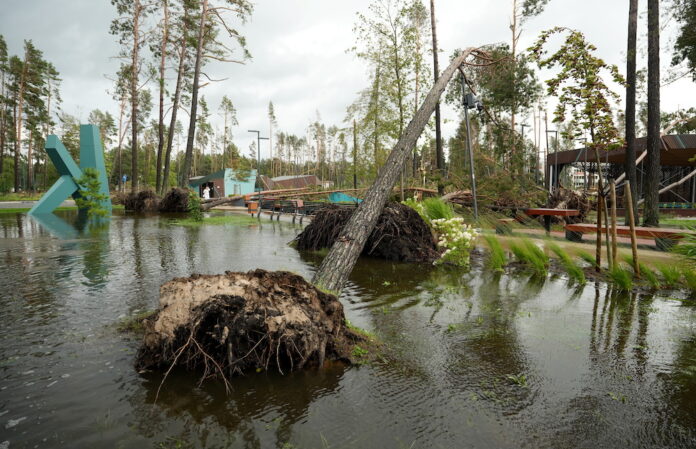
339 262
632 224
598 251
607 232
614 249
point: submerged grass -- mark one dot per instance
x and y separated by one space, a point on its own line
621 277
574 271
133 323
497 260
216 220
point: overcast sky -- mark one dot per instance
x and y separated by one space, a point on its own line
299 53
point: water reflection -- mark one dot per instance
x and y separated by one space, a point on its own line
473 358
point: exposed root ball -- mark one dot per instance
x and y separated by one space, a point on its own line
176 200
143 201
400 233
569 199
227 324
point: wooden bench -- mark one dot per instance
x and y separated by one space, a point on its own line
665 238
547 213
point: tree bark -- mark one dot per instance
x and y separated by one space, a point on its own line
652 178
160 127
183 182
338 264
134 95
18 119
439 153
175 109
630 165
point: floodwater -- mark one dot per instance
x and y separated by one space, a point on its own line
476 360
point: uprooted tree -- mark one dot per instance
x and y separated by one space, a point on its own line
339 262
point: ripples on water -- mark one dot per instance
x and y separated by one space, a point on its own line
477 360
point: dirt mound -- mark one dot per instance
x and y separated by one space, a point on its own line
143 201
227 324
176 200
400 233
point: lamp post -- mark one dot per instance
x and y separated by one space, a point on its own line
258 153
552 173
469 101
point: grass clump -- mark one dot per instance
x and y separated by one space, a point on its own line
436 209
689 277
134 323
671 275
646 273
497 260
687 246
621 277
530 254
574 271
216 220
588 258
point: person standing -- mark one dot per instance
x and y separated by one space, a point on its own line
206 193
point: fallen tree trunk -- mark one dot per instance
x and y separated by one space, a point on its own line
207 205
338 264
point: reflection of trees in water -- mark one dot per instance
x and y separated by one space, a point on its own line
261 407
680 391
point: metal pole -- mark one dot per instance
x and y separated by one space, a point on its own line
471 162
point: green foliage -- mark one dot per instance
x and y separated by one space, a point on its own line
194 207
456 238
589 258
671 274
519 380
134 323
436 209
574 271
90 197
689 277
646 272
685 44
497 258
687 245
579 86
621 277
530 255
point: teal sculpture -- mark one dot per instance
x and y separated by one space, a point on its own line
91 156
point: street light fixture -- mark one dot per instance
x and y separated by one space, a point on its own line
258 153
469 101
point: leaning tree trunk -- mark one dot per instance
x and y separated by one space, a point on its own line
338 264
630 165
652 178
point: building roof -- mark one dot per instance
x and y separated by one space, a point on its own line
289 182
677 149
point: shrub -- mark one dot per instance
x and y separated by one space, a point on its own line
529 254
589 258
456 238
194 206
436 209
687 246
90 198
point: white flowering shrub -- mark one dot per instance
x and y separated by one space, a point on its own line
456 238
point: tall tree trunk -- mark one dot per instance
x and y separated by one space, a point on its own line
439 153
652 178
3 130
513 110
134 95
338 264
194 98
160 127
630 165
175 109
30 163
18 119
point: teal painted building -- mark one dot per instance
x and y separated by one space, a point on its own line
224 183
